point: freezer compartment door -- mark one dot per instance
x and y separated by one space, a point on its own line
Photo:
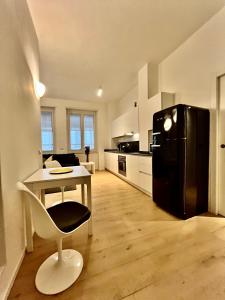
169 124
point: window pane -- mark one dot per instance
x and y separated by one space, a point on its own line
89 139
46 131
75 132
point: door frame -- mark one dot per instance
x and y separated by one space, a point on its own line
214 163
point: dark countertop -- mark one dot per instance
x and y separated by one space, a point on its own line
140 153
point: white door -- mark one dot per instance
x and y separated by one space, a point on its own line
222 146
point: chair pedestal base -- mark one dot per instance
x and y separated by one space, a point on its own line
54 277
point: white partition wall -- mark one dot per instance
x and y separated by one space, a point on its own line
19 128
191 71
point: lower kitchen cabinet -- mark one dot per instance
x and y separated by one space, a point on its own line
145 182
111 162
145 173
139 170
132 169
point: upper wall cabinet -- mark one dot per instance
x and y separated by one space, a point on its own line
146 111
125 123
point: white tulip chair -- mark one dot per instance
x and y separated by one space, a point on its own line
61 269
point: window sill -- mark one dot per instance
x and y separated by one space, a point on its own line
80 152
69 151
47 152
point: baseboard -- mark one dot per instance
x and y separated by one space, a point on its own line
129 182
11 281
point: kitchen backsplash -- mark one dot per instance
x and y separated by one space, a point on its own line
127 147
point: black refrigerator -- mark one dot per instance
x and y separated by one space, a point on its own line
180 160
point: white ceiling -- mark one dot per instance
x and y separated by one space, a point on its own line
89 43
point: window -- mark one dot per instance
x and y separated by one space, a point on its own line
75 132
47 135
89 134
81 130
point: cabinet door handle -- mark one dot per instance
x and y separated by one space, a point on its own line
155 146
146 173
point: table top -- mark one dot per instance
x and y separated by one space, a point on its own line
43 175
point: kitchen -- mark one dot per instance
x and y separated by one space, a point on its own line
138 122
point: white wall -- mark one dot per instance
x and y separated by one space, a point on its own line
118 107
191 70
19 125
147 87
61 140
111 113
124 104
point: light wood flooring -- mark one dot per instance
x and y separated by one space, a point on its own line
137 251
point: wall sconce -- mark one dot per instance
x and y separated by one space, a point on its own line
40 89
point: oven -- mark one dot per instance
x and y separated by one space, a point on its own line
122 165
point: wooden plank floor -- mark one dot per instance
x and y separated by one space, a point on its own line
137 251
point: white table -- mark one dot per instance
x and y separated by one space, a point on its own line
41 179
87 164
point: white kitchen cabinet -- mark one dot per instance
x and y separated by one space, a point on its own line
145 164
139 170
146 111
111 162
131 121
125 123
132 164
145 173
117 127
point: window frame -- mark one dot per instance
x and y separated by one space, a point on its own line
52 111
81 113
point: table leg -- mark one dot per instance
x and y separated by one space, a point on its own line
29 228
82 194
42 197
89 202
29 233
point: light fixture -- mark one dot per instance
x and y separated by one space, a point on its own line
99 92
40 89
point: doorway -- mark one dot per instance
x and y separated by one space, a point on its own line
221 149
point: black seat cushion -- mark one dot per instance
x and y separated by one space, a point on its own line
66 160
69 215
45 156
